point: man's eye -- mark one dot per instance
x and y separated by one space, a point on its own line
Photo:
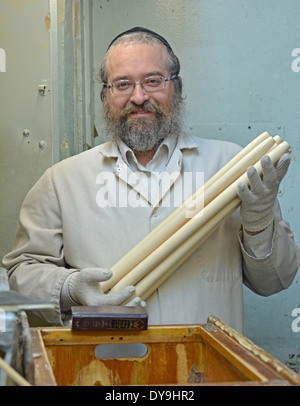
153 82
123 85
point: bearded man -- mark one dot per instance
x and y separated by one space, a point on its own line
75 223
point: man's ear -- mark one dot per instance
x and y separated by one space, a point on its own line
180 84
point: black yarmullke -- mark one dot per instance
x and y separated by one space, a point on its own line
141 29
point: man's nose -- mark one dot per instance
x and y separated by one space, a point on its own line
139 95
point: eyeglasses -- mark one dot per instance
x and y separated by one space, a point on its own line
150 84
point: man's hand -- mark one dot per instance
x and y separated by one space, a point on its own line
85 288
258 200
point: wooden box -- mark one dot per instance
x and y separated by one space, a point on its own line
205 354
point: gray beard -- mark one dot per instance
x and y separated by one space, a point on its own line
144 134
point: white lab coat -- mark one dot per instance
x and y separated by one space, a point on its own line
65 226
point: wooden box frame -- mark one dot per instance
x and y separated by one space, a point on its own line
205 354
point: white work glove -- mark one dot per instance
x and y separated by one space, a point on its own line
258 200
85 288
136 301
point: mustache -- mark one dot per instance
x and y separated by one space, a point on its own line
145 107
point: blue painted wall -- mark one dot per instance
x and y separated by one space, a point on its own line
240 74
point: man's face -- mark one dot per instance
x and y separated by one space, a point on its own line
140 119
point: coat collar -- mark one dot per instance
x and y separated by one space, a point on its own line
123 171
185 141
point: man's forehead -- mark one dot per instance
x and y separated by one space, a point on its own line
137 55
